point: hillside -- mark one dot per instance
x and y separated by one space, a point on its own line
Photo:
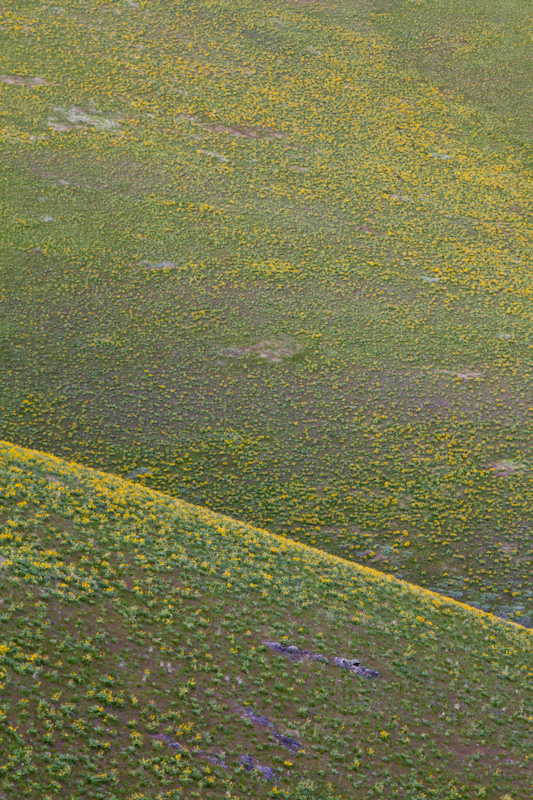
273 259
153 649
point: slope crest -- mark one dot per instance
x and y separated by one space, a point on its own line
151 648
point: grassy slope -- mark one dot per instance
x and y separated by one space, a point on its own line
129 616
477 49
308 173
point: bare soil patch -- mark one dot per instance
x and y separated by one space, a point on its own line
273 350
78 118
506 467
246 131
19 80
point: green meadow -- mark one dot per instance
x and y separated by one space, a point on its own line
266 479
273 259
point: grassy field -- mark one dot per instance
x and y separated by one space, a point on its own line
273 259
145 654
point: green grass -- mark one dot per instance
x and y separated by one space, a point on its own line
309 170
131 619
479 50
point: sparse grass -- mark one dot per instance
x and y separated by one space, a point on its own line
128 616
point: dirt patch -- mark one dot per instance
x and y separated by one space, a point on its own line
465 375
78 118
273 350
18 80
509 549
214 155
506 467
54 479
246 131
158 265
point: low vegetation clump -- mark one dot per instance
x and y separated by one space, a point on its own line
153 649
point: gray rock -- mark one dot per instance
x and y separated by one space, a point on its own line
250 763
276 646
259 719
365 672
349 664
345 663
285 741
200 753
288 742
175 745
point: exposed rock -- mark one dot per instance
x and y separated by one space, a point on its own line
350 664
292 650
250 763
184 749
345 663
365 672
175 745
260 720
285 741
